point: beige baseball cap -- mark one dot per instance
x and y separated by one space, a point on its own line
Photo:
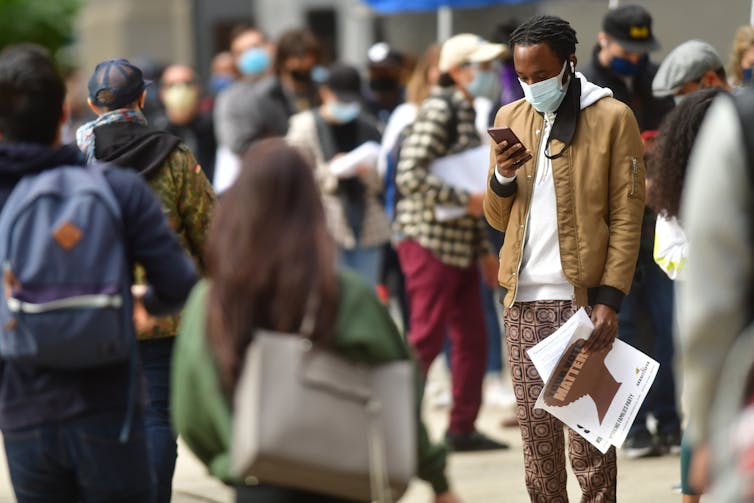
468 48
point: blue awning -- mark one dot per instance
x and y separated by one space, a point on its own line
393 6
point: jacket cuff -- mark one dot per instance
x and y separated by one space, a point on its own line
608 296
503 190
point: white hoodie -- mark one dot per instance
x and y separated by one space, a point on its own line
541 276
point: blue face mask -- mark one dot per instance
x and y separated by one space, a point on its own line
343 113
219 82
485 84
254 61
626 68
547 95
748 74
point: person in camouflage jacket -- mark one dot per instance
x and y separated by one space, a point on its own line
120 135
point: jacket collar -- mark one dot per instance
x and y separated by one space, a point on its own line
18 159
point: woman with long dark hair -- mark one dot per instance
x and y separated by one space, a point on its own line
269 249
667 172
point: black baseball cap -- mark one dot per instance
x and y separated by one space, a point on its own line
631 27
123 82
345 82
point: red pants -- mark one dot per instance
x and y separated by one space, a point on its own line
445 300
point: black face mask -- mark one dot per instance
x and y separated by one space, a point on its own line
301 76
384 84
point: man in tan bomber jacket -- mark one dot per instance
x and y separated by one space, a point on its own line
572 220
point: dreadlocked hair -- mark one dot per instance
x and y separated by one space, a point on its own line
551 30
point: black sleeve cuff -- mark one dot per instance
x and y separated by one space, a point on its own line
501 190
608 296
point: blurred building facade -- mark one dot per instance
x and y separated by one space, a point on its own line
192 31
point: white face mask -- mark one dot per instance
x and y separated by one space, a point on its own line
547 95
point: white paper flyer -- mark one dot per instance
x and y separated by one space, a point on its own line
597 394
465 170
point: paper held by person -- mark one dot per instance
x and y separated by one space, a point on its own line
598 393
467 171
363 156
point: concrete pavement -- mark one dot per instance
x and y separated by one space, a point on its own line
478 478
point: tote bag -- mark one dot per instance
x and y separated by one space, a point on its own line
309 419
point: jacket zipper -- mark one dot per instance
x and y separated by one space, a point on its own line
526 218
634 175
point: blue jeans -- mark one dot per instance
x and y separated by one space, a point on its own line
365 261
494 333
652 292
80 459
156 355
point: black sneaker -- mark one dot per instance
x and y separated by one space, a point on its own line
670 441
640 444
472 441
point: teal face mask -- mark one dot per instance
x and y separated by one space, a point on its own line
485 84
547 95
254 61
343 113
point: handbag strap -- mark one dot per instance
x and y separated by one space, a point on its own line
378 475
306 329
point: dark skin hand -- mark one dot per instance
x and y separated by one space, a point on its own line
605 321
510 158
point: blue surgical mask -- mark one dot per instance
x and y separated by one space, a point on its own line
254 61
626 68
748 73
485 84
343 113
547 95
219 82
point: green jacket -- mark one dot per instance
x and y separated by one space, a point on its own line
187 200
201 414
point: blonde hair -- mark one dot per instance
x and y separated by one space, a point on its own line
742 41
419 85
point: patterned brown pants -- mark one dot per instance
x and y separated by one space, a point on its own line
526 324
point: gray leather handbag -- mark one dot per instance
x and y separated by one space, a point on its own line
309 419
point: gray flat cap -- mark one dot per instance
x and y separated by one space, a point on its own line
686 63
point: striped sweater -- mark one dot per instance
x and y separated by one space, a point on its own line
458 242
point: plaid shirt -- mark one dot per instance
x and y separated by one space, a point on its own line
458 242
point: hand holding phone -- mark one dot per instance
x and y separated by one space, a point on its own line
509 151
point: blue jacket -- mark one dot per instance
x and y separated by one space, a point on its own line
33 395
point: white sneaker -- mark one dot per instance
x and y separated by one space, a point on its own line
497 393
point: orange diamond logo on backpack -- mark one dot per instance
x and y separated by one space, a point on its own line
67 235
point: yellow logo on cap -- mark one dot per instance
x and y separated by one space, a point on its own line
639 32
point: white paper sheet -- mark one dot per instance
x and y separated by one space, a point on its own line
467 171
347 166
580 387
227 168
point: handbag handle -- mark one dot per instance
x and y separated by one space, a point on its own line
306 329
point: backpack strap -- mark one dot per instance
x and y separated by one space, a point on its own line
324 136
452 124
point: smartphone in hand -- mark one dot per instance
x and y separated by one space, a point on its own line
499 134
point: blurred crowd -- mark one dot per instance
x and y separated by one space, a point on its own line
287 176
